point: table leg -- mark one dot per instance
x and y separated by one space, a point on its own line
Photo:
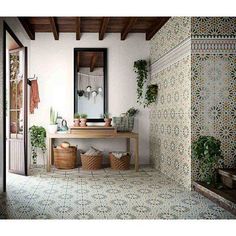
128 145
136 153
49 158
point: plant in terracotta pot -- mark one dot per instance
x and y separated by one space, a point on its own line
76 119
53 121
83 120
107 119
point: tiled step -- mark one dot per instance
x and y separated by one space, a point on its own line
225 197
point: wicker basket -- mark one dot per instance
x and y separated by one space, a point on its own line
119 164
65 158
123 124
91 162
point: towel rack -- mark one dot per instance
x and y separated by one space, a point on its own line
30 79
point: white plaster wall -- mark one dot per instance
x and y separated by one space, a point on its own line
52 62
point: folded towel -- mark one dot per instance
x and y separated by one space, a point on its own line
93 152
34 96
119 154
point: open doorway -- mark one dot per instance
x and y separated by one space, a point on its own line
15 102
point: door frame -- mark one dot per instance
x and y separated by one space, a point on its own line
6 29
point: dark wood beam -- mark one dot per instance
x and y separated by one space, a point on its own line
103 27
26 25
78 33
54 27
155 27
93 62
128 27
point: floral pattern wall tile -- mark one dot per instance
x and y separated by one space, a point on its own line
213 26
176 30
213 102
170 132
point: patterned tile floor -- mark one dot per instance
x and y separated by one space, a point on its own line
103 194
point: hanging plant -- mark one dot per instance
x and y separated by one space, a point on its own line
151 94
140 68
37 138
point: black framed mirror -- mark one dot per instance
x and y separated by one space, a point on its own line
90 83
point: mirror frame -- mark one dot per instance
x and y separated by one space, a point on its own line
105 82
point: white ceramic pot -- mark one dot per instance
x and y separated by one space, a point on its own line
52 129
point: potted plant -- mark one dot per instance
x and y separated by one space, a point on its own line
76 119
132 112
151 94
207 150
140 68
107 119
37 139
53 122
83 120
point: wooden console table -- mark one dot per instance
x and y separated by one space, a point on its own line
93 135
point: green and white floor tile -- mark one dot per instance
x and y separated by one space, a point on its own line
103 194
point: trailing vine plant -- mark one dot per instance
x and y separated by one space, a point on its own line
140 68
150 96
37 139
207 150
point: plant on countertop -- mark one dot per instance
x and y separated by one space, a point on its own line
76 116
37 139
106 115
83 116
140 68
151 94
53 117
107 119
207 150
132 112
83 120
76 119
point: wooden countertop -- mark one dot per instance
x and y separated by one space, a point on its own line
93 134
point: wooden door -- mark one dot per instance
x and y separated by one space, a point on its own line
17 134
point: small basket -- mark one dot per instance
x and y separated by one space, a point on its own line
123 124
91 162
119 164
65 158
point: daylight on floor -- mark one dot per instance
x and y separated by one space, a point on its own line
118 117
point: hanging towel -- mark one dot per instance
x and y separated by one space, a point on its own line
34 96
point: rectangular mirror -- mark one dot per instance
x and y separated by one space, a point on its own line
90 82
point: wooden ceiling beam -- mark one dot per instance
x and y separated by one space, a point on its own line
78 28
156 26
128 27
103 27
54 27
26 25
93 62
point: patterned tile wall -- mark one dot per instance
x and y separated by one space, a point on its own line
170 35
1 108
213 26
214 88
170 119
170 132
